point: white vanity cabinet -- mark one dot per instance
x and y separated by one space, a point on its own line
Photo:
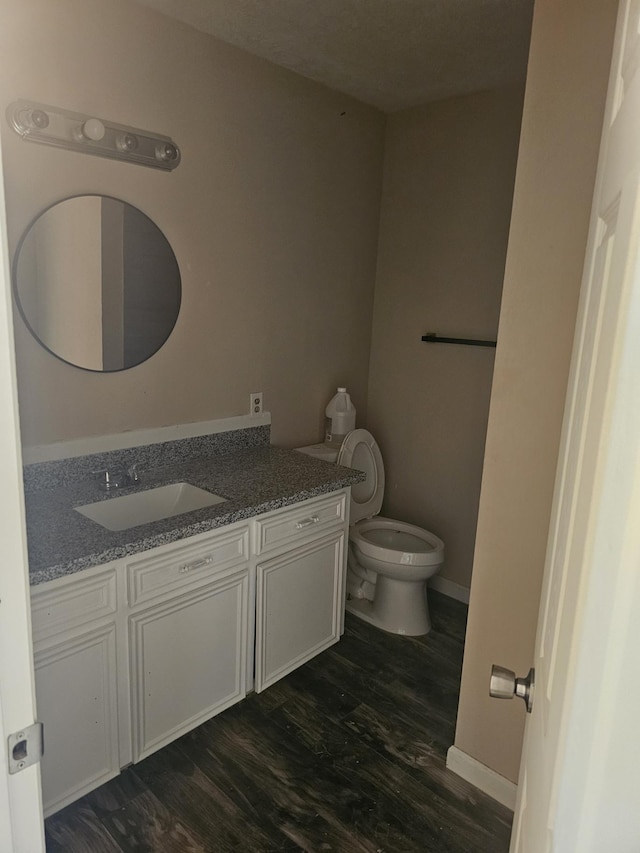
189 629
132 654
76 676
300 585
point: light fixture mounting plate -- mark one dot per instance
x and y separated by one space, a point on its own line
90 134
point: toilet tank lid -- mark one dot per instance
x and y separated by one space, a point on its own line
359 450
320 451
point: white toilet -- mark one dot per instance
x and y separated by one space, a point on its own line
389 561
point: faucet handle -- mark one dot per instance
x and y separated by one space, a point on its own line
118 479
104 478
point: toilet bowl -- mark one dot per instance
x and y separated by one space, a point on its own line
389 561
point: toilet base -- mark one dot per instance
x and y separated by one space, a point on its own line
399 607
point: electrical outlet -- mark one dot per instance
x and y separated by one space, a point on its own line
255 403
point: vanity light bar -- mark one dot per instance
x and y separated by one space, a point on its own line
91 135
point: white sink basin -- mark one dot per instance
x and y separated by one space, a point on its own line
127 511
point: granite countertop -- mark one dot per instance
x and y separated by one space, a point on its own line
254 481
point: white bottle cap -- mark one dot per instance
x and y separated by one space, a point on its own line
342 390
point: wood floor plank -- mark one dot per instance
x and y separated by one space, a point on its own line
423 698
319 693
349 743
448 616
275 780
115 794
145 825
393 699
201 806
392 729
436 664
430 820
364 801
77 829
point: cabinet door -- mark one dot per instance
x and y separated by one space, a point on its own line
188 659
298 607
76 696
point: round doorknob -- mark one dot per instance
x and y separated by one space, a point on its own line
505 685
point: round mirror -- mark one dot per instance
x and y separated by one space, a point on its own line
97 283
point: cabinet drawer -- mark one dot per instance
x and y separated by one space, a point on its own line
186 564
296 523
72 602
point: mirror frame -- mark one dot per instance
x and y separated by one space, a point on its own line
16 293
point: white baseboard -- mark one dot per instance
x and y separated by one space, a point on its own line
453 590
138 438
483 777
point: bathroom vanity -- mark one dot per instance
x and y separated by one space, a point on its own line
218 570
143 634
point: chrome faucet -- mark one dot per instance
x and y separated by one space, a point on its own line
118 479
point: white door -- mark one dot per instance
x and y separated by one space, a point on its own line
579 785
21 826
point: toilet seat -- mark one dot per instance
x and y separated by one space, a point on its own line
360 451
383 539
397 542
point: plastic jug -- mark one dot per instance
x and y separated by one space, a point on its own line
340 418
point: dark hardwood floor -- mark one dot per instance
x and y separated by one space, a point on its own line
346 754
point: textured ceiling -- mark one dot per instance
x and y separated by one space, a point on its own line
390 53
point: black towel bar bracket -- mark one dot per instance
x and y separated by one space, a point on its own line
432 338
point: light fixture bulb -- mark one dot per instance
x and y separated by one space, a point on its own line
127 142
39 119
93 129
25 120
167 152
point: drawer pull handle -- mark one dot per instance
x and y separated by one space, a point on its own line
314 519
197 564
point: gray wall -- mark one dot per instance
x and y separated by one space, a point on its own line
273 216
563 110
448 184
